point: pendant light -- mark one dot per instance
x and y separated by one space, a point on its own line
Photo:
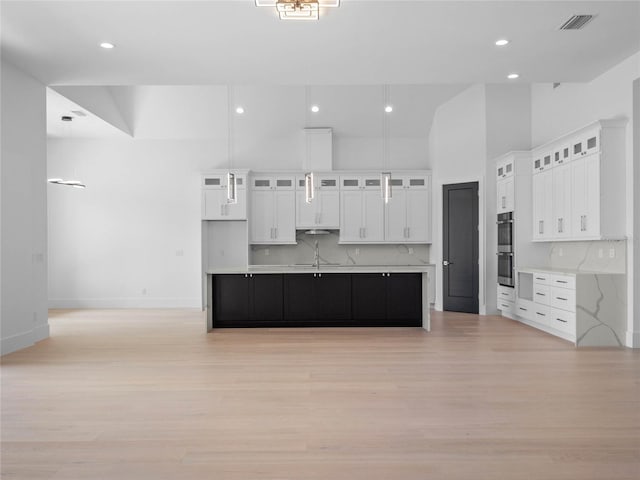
385 176
309 187
232 196
67 119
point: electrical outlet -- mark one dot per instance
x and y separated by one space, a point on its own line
266 252
600 253
612 253
179 253
357 251
144 291
410 250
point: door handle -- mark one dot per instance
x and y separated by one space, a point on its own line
446 263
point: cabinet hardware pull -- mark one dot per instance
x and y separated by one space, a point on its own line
541 227
505 294
560 298
523 309
503 202
319 275
561 281
408 232
561 320
540 278
541 314
541 294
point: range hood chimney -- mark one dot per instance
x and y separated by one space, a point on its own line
319 150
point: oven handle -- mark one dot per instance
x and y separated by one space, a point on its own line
503 222
505 253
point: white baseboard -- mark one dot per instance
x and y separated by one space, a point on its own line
125 302
24 339
632 339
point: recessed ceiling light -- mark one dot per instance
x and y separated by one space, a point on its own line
502 42
315 108
512 76
239 110
388 109
107 45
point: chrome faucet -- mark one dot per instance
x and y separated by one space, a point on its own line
316 255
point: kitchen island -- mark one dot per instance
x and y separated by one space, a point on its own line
324 296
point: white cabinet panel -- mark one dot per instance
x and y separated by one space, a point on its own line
273 210
351 206
542 205
418 215
562 201
215 205
396 217
373 216
585 176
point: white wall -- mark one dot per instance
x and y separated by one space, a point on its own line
132 237
458 152
468 132
571 106
23 279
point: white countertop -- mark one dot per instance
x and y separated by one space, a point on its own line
323 269
563 271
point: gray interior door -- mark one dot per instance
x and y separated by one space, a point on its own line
460 247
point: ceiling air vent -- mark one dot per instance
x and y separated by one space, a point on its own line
576 22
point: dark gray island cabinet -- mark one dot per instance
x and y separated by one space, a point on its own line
317 298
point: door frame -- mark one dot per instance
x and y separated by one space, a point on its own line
437 248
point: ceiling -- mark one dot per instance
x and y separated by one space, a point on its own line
362 42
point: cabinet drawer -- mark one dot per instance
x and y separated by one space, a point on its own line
542 278
541 314
525 309
542 294
562 320
563 298
506 293
564 281
506 307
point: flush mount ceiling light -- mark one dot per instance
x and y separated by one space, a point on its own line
239 110
107 45
502 42
388 109
512 76
298 9
315 108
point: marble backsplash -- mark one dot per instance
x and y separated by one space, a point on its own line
606 256
333 253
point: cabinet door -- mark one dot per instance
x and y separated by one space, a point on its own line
266 294
285 217
373 215
404 298
333 297
585 176
369 298
262 216
351 216
299 298
501 190
509 193
418 215
238 210
542 205
328 209
213 204
396 217
306 213
561 176
230 300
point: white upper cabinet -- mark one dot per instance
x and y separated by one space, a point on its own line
324 210
365 218
361 209
215 203
505 180
408 212
273 209
561 195
587 176
542 205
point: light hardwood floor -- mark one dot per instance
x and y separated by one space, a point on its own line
148 395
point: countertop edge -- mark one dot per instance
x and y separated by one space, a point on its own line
326 269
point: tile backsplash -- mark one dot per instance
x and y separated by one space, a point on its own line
598 256
334 253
